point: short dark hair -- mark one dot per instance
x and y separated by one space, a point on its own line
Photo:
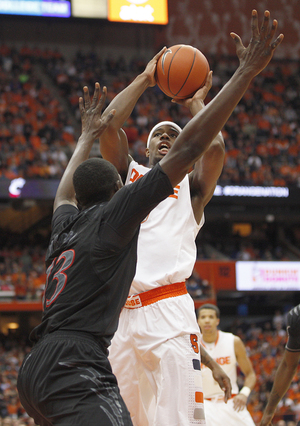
209 306
94 180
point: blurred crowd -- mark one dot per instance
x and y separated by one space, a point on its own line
37 135
22 273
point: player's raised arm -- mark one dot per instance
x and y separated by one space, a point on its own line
113 142
93 125
207 169
197 135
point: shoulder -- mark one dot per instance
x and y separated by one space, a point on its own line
293 329
239 346
62 213
293 318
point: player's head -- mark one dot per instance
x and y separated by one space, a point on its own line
160 140
95 180
208 318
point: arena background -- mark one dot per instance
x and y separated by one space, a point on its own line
240 224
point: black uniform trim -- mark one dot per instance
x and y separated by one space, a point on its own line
293 330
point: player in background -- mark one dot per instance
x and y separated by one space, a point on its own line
229 351
287 367
156 349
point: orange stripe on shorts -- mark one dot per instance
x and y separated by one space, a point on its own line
198 396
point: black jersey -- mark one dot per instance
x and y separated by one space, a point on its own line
293 330
91 259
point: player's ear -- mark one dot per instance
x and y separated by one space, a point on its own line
218 321
147 152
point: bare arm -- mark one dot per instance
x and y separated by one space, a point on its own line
92 127
113 142
282 381
197 135
218 373
240 400
208 168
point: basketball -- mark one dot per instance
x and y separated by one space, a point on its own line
181 71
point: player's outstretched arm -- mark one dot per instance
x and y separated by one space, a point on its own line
197 135
93 125
284 375
218 373
207 169
113 143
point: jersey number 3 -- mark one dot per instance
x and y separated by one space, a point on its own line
59 276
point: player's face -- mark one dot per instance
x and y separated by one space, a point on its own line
208 320
162 140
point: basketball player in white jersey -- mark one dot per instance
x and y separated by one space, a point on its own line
229 351
155 353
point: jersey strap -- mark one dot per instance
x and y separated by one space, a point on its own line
148 297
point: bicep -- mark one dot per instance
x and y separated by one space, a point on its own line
207 171
114 148
242 357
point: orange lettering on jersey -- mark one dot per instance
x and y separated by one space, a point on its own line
194 342
223 360
135 175
176 190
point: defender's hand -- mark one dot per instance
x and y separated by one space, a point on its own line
258 54
93 125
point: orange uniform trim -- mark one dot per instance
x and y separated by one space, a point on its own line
220 398
154 295
198 396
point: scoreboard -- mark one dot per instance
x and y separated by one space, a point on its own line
134 11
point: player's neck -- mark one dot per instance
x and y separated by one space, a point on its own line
210 337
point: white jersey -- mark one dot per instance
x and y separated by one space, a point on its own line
169 260
222 351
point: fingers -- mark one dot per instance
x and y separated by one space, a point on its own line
81 106
96 95
238 43
157 56
208 82
265 26
227 390
277 41
254 24
110 116
86 97
100 104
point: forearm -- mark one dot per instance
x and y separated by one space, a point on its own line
126 100
81 153
282 381
250 380
209 121
206 359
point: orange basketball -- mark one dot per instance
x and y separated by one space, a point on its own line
181 71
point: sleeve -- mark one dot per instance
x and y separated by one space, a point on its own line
62 215
293 330
132 203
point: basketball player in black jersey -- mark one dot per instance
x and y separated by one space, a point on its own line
66 379
287 367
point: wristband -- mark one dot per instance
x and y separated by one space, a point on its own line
245 391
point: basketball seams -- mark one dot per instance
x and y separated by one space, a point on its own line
169 70
183 69
187 75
